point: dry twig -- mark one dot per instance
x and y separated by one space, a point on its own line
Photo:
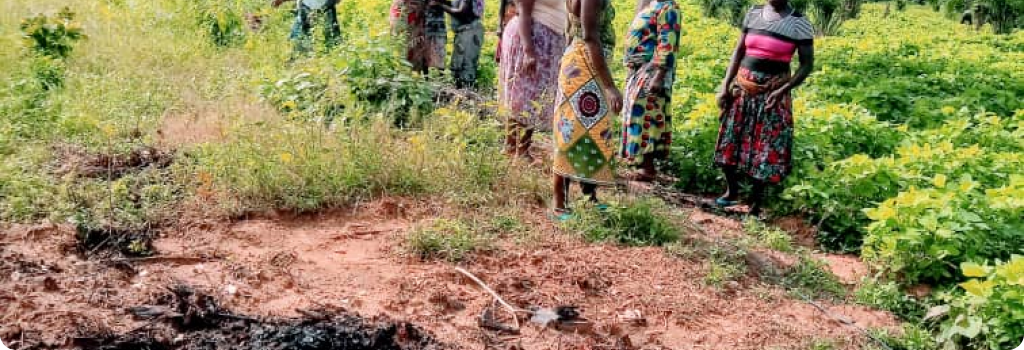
512 310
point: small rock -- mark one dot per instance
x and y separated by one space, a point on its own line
50 284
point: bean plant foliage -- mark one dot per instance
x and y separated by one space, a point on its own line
369 78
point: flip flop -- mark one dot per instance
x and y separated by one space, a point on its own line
721 202
602 207
560 215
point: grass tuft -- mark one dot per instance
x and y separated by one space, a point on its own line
638 222
447 239
811 278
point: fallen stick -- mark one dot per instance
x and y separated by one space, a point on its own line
177 259
512 310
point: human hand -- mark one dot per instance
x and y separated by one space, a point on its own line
614 98
775 97
529 62
724 98
657 85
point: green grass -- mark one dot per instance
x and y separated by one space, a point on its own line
447 239
635 222
809 277
769 236
911 337
888 296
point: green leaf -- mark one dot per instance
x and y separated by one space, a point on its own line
973 270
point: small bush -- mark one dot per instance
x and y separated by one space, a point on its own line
640 222
986 312
912 337
450 240
54 36
888 296
922 235
355 81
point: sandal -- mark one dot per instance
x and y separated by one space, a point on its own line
560 215
602 207
721 202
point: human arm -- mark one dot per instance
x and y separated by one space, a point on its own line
525 9
724 96
641 4
461 7
806 52
590 14
668 30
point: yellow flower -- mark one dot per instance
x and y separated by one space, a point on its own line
286 157
939 181
109 130
948 110
289 104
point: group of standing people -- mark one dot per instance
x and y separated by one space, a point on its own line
422 23
554 76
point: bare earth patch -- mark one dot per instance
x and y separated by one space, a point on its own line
273 267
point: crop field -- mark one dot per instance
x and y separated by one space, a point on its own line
174 176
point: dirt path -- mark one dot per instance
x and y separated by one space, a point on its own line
351 259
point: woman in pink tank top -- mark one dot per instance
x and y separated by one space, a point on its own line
755 138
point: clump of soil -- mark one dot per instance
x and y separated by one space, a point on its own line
14 264
190 320
75 160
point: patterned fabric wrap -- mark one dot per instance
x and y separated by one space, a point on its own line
469 39
758 141
654 35
582 123
528 98
606 25
651 45
410 18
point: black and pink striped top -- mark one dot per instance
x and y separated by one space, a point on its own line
770 44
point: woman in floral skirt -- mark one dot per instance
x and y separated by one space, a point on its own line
755 138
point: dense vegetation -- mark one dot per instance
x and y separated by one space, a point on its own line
910 135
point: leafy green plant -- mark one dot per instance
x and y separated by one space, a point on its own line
52 36
911 337
922 235
222 22
638 222
48 72
356 78
988 312
838 194
887 296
